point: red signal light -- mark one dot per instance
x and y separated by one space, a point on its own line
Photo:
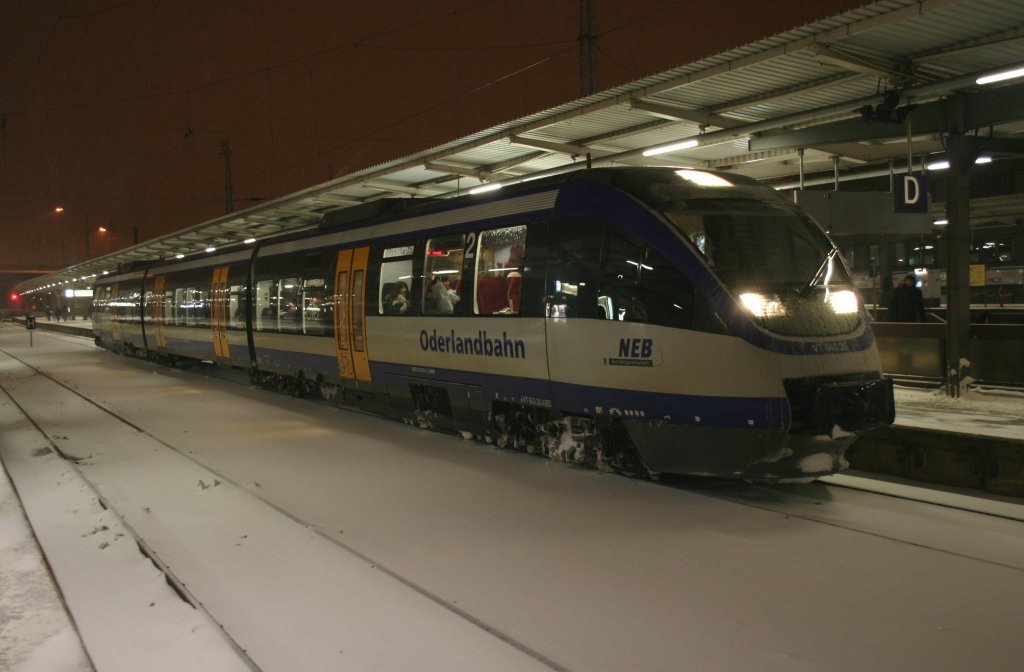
15 297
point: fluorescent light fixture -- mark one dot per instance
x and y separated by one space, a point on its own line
1001 76
665 149
211 248
699 177
944 165
249 241
179 255
484 188
940 222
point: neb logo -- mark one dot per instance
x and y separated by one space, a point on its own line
636 347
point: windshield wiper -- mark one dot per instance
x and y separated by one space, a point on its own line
824 269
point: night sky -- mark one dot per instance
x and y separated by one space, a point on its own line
116 110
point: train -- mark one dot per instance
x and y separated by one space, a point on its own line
644 321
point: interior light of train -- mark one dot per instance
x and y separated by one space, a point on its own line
674 147
699 177
1000 76
843 302
760 305
393 252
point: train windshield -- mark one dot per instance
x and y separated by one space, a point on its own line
777 263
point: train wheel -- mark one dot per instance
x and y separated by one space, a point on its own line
617 453
299 388
513 428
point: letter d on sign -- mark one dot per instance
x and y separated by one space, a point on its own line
912 194
911 190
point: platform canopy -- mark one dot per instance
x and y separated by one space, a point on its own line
834 94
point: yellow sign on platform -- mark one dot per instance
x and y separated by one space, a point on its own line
977 275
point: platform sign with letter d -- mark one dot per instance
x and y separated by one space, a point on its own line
911 193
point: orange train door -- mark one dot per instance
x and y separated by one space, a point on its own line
350 314
159 303
219 312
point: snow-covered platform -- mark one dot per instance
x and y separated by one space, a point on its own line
310 538
976 441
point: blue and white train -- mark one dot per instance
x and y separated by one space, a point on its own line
642 320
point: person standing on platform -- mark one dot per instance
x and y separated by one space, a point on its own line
907 302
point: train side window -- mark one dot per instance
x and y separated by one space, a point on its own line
313 301
396 281
667 296
573 268
205 299
289 300
266 305
618 296
169 306
499 271
148 300
195 307
236 307
186 318
441 275
177 307
174 305
357 310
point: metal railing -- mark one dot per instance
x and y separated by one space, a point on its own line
918 351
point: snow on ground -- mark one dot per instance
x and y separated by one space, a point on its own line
36 634
418 550
981 412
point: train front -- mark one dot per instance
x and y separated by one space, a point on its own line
806 349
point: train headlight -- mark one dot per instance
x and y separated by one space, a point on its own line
843 302
760 305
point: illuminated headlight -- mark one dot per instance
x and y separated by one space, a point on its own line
843 302
760 305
